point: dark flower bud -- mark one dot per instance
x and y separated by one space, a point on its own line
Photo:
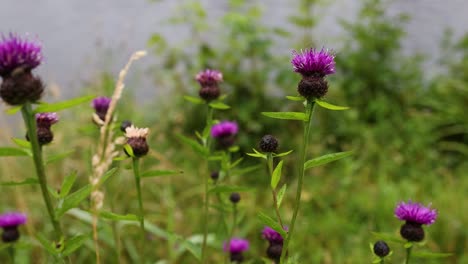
136 138
209 93
234 197
215 175
412 231
312 87
225 133
268 143
101 105
10 222
124 125
44 122
274 252
381 248
44 135
21 87
10 235
237 257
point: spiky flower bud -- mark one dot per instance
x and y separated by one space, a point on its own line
381 248
268 143
234 197
136 138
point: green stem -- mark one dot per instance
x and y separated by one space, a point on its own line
408 255
141 218
11 252
30 122
305 143
234 220
273 192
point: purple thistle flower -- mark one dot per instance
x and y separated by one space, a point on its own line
18 52
224 129
313 62
236 245
45 120
209 77
12 219
272 236
415 213
101 105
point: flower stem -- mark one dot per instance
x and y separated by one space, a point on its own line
141 218
30 122
408 255
11 252
305 143
273 192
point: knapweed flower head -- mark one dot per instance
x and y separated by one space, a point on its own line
415 213
17 52
313 62
101 105
45 120
209 77
224 129
10 222
12 219
236 245
381 248
268 143
272 236
136 138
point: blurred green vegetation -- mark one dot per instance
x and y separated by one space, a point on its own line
409 131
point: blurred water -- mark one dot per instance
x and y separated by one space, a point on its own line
82 38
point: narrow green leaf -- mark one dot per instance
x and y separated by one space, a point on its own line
67 184
9 151
194 144
72 244
268 221
226 188
47 244
326 159
54 107
22 143
280 195
330 106
53 192
286 115
73 200
120 158
128 149
408 244
282 154
235 163
117 217
389 237
157 173
234 149
276 175
192 248
58 157
27 181
246 170
295 98
376 260
194 100
13 110
219 105
430 255
107 175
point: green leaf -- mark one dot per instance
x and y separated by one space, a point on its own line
276 176
280 195
117 217
107 175
226 188
72 244
9 151
53 192
128 149
73 200
219 105
295 98
47 244
282 154
192 248
330 106
13 110
194 144
268 221
22 143
430 255
58 157
67 184
257 154
235 163
286 115
54 107
157 173
326 159
389 237
246 170
25 182
233 149
194 100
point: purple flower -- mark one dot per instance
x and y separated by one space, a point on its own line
224 129
18 52
314 62
209 77
45 120
415 213
272 236
236 245
101 105
12 219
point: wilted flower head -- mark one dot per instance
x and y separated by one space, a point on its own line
101 105
313 62
45 120
18 52
12 219
272 236
236 245
136 138
209 77
415 213
223 129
